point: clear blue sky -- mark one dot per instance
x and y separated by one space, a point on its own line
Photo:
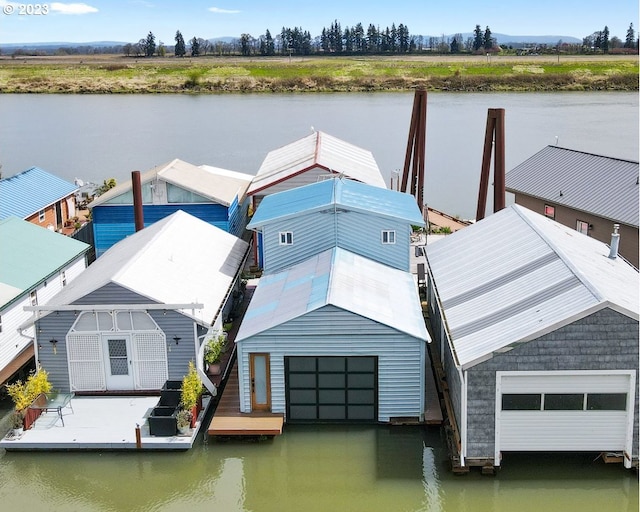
131 20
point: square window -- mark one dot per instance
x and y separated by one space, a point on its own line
286 238
550 211
582 227
388 237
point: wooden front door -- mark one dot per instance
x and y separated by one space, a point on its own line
260 375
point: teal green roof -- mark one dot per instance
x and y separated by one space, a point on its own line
30 254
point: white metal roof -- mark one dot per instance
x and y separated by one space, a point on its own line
517 275
317 150
342 279
177 260
218 185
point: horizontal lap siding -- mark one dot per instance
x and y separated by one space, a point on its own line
56 325
362 234
312 234
12 343
113 223
334 332
605 340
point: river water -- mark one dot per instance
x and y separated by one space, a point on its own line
309 468
94 137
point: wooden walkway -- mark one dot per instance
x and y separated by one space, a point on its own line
229 421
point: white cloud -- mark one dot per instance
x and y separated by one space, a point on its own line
72 8
217 10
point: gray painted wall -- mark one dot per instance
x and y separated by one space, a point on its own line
605 340
56 325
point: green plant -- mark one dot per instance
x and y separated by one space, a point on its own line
214 347
183 419
17 419
23 393
191 388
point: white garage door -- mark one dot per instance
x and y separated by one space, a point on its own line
564 411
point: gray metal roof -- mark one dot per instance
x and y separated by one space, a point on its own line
342 279
317 150
517 275
179 259
600 185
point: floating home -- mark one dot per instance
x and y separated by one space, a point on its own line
38 197
36 264
216 196
308 160
583 191
137 316
373 222
335 338
536 327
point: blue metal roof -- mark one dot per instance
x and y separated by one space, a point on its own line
30 191
340 193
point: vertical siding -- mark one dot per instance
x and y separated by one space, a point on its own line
312 234
331 331
605 340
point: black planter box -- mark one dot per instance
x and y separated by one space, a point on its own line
162 421
170 394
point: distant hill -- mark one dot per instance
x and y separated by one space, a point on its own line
517 40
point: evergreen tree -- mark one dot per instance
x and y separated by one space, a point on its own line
487 41
268 43
195 47
180 49
150 45
631 37
454 45
478 39
605 39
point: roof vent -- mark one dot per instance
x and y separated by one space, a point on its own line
615 242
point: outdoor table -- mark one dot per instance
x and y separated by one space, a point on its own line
54 403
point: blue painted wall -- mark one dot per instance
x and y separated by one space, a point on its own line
112 223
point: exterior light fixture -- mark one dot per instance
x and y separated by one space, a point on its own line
177 339
54 344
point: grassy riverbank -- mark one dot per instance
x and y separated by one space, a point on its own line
117 74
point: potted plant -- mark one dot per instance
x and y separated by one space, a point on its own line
213 349
17 423
24 393
191 392
183 420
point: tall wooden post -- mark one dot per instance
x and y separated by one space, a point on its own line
494 133
413 171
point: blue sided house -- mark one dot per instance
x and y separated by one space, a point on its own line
335 338
216 196
371 221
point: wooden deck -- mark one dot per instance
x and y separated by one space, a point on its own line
229 421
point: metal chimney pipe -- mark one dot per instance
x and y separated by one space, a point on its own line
137 200
615 242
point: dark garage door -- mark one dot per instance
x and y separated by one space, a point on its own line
332 389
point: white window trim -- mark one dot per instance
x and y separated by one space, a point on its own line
390 234
285 238
578 223
41 216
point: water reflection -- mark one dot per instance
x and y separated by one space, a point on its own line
312 468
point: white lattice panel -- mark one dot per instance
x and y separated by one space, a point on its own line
86 370
150 360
